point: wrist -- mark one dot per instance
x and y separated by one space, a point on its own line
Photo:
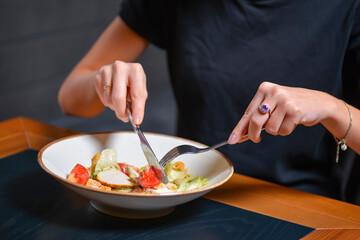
336 116
337 123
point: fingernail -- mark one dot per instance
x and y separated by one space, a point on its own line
232 139
269 130
136 119
124 119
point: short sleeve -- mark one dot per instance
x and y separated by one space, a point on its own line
355 33
148 19
351 67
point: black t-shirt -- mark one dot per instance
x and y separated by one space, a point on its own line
219 52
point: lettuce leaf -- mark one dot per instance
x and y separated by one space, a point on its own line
175 175
191 183
107 161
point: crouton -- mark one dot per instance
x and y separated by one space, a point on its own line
94 161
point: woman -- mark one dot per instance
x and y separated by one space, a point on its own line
281 66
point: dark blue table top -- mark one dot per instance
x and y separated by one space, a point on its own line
36 206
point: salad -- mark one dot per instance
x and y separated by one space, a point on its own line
107 173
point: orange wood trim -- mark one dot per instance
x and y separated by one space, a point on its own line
10 127
19 134
285 203
12 137
13 144
45 130
333 234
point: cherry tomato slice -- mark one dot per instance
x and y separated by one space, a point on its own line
147 178
79 174
124 166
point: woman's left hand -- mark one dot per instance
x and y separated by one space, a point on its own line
288 107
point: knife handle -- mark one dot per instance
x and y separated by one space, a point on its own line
136 128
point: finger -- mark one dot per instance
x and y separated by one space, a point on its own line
98 86
260 117
274 122
276 117
288 125
138 92
106 76
256 123
242 128
287 117
238 132
119 91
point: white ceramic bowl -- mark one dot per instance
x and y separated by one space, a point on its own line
59 157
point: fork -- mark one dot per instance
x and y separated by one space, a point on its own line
186 149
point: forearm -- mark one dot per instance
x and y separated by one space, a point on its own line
79 93
84 101
338 123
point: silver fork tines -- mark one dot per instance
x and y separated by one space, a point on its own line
188 149
185 149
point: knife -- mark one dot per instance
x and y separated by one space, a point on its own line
148 152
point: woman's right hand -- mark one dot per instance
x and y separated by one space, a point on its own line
118 82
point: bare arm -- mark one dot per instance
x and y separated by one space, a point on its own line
338 122
108 62
293 106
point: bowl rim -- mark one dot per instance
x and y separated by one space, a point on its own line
130 194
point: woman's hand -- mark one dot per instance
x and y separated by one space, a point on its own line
118 82
289 107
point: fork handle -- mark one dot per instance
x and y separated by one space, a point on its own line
221 144
212 147
218 145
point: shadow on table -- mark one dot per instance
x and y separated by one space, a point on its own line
39 195
36 206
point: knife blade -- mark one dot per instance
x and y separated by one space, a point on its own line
147 150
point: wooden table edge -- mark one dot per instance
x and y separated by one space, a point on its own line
335 225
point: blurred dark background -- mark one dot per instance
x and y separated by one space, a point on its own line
42 40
